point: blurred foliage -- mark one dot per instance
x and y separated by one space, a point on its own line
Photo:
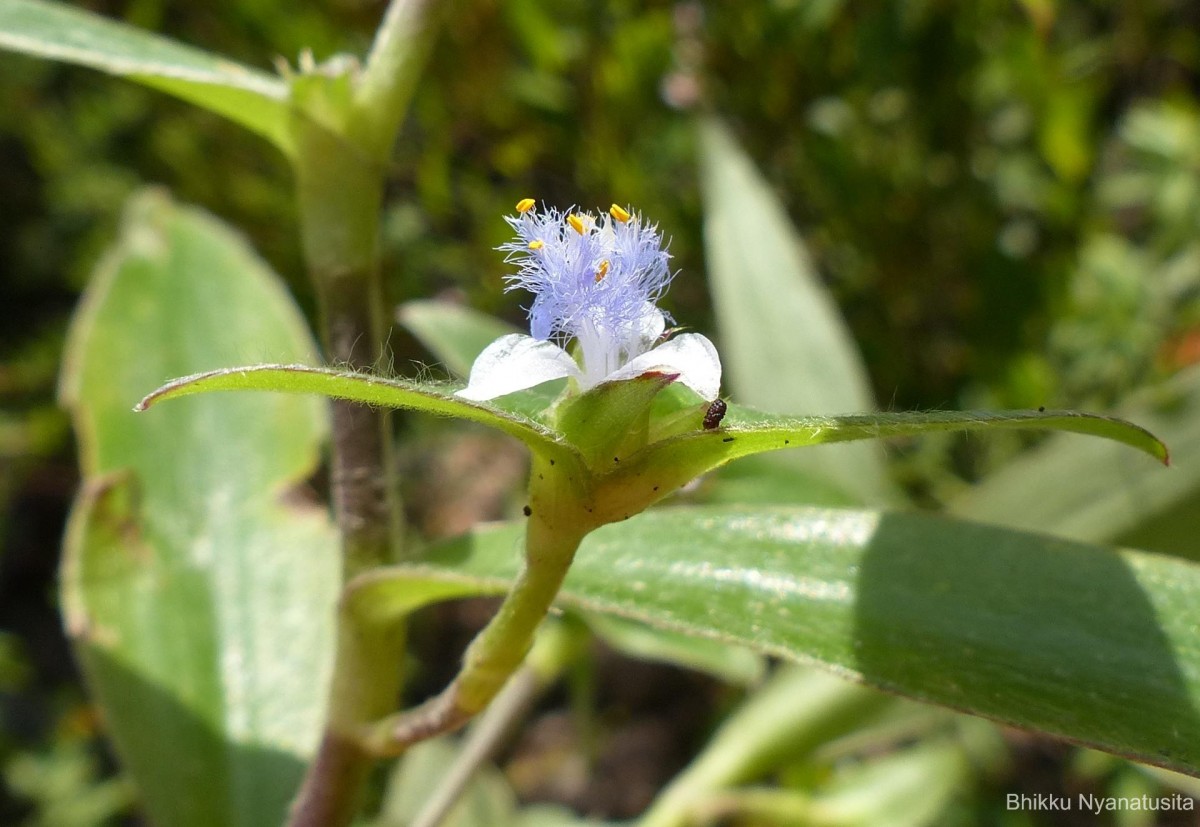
985 188
1003 197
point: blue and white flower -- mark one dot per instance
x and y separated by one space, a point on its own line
595 280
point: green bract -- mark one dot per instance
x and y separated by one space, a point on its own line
599 443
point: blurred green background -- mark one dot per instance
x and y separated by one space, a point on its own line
1003 197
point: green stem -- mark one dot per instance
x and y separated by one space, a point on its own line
557 645
366 679
381 97
558 520
339 186
340 194
502 645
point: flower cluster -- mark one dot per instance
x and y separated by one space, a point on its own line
595 280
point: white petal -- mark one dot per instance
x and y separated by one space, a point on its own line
690 355
513 363
651 325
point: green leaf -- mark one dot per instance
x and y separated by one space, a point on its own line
654 472
910 788
759 481
1079 641
612 419
199 576
914 786
783 342
254 99
430 398
670 463
487 801
764 428
800 717
732 664
1089 490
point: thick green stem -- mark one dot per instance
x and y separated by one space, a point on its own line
559 517
342 146
401 45
502 645
340 192
366 679
339 187
557 645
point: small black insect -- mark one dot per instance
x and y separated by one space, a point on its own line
714 415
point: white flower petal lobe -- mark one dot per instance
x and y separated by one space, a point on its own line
690 355
513 363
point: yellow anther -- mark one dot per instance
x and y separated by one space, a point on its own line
619 213
525 205
602 270
536 245
577 223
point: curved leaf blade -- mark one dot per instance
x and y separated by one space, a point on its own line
773 310
1086 643
761 428
1087 490
369 390
194 559
254 99
670 463
611 418
736 665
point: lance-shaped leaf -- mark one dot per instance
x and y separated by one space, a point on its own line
254 99
438 399
1090 644
665 465
744 432
1087 490
199 578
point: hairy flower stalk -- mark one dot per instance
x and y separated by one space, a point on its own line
595 280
